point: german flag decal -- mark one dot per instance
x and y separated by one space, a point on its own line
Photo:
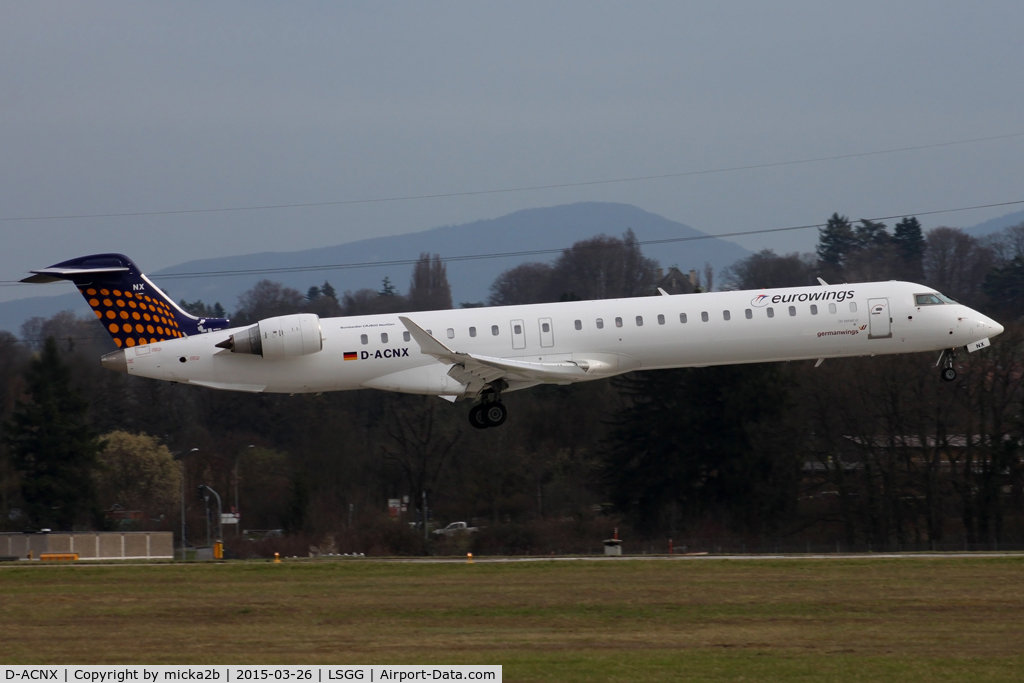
351 355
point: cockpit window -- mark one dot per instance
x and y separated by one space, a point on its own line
946 299
928 299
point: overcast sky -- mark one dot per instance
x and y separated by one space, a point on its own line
123 107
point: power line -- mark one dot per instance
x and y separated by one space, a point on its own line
527 188
530 252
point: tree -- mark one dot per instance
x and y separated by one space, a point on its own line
267 299
956 263
836 240
429 289
53 447
871 234
702 441
387 289
201 310
1004 287
602 268
526 283
910 244
136 472
767 270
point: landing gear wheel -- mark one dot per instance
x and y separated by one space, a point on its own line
948 374
476 417
495 414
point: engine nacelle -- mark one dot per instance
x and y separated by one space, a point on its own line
285 336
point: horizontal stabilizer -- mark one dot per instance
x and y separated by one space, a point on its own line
134 311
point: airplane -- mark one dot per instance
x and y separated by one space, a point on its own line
478 354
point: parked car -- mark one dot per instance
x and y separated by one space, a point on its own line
456 528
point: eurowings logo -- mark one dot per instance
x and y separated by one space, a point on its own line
759 300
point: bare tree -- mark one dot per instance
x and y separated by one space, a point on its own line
603 268
955 263
525 284
267 299
429 289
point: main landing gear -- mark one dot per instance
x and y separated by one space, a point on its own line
948 373
490 413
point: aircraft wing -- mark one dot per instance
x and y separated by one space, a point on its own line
476 370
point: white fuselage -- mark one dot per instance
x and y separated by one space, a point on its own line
606 337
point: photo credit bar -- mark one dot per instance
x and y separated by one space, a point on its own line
370 673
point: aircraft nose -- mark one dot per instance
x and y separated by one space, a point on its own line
992 327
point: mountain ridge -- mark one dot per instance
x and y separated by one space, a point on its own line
555 227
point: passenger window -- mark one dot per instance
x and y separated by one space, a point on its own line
517 329
578 324
704 316
364 339
639 321
748 313
814 309
451 333
661 319
726 315
682 317
618 322
600 324
771 312
792 310
494 330
406 336
472 332
383 337
853 307
545 327
831 308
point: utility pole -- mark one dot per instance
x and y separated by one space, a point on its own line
425 536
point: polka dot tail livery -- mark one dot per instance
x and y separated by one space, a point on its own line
133 310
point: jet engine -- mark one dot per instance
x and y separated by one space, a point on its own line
285 336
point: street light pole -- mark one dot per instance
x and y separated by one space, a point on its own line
181 459
220 511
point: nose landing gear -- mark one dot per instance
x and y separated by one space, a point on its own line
948 372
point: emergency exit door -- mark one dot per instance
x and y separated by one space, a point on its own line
879 319
518 334
547 334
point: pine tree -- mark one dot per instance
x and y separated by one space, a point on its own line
910 244
836 240
328 291
871 234
52 445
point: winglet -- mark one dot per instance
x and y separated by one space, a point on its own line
663 292
428 344
823 283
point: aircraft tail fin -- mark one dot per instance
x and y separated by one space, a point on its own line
130 306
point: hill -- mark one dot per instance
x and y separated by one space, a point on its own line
553 227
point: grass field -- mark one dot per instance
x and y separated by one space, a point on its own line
951 619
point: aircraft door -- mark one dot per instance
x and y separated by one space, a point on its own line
547 333
518 334
879 319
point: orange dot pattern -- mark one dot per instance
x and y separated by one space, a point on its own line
120 311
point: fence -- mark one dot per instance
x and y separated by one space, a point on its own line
97 545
